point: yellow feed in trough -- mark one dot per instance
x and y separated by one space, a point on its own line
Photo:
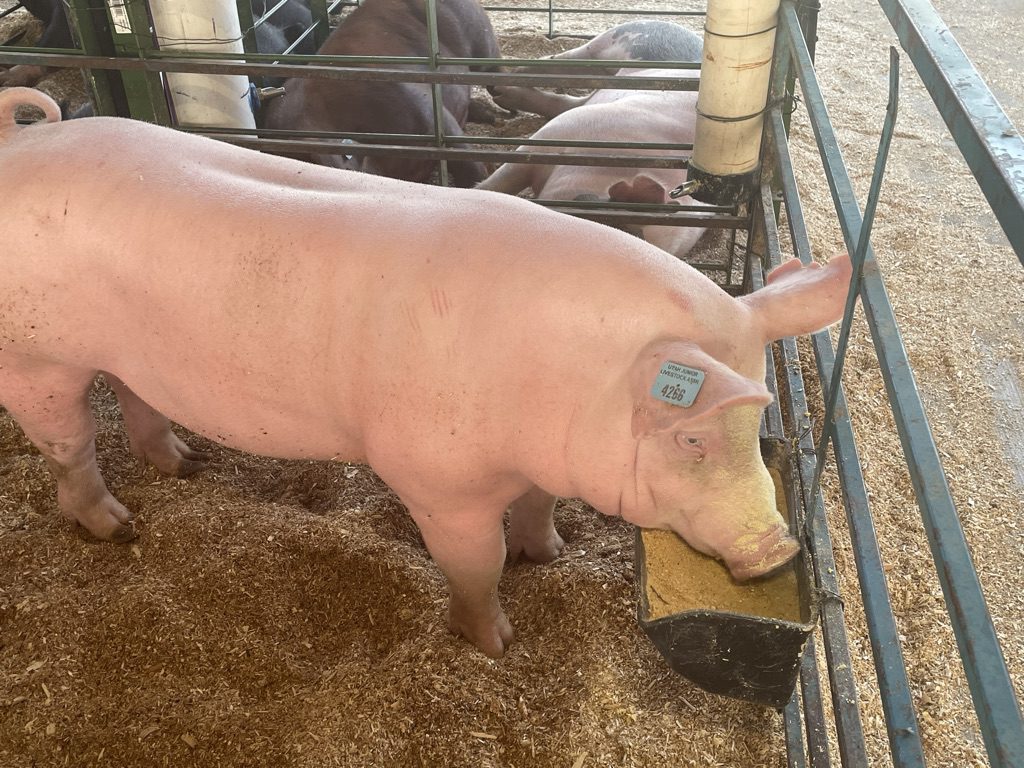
678 579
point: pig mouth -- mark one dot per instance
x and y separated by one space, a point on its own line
762 555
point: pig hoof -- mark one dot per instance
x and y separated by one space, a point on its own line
107 520
171 456
491 638
540 550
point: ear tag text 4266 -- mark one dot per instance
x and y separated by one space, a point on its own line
677 384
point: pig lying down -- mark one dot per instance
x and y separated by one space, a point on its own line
667 117
647 40
559 358
390 28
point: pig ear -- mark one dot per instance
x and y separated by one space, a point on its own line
642 189
653 378
800 299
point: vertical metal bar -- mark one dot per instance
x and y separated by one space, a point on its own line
764 240
837 648
130 22
808 14
897 703
435 88
814 712
891 110
987 676
792 726
248 24
992 147
92 30
321 22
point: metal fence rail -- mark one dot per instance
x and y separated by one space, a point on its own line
987 675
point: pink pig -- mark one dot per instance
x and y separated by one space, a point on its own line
668 117
471 347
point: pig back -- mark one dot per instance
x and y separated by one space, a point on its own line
296 310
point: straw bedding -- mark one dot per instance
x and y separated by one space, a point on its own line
286 613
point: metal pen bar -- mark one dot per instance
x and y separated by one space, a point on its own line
863 241
988 140
437 102
583 11
600 64
639 217
897 703
987 676
220 132
792 728
10 10
248 64
849 730
337 146
814 711
816 534
765 238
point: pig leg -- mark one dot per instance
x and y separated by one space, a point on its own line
510 178
150 437
51 403
469 548
531 527
525 99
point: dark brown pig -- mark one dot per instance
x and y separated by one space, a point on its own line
478 351
390 28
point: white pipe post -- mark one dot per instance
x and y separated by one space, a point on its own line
739 41
207 26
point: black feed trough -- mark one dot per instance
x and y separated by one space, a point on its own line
739 640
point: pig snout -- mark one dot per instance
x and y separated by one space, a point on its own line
758 554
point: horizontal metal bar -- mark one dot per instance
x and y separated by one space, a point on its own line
219 132
988 141
339 147
631 12
604 64
708 221
987 676
210 64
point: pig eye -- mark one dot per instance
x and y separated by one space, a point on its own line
691 445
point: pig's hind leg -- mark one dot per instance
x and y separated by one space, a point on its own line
531 528
50 402
150 437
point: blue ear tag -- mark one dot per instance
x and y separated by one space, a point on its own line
677 384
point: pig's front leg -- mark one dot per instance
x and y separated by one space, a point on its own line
531 527
468 546
150 437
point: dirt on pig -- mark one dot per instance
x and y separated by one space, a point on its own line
286 614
